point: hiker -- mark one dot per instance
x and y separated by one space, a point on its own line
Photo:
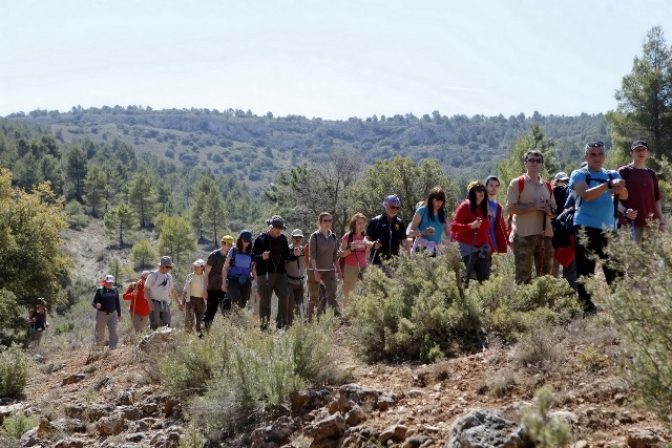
354 252
37 317
429 223
594 215
270 251
560 186
296 275
108 312
237 273
214 293
324 267
644 199
529 199
386 233
159 288
140 306
496 216
192 297
471 228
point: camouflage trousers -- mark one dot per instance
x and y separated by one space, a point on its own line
528 250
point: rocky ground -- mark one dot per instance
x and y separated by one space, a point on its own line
112 399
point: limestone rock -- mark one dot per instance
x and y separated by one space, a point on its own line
110 425
7 411
274 435
29 438
418 441
327 433
396 433
309 399
355 416
159 337
360 395
643 438
73 379
486 429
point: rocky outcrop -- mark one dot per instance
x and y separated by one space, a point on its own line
486 429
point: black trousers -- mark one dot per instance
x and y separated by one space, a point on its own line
215 297
597 243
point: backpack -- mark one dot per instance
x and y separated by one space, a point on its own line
521 187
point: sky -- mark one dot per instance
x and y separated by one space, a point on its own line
328 59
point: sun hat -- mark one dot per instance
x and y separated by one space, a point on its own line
166 261
562 176
297 233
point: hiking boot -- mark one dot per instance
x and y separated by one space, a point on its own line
589 310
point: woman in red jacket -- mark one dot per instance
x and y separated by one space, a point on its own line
471 229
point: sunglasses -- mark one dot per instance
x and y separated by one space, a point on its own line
480 189
595 145
327 220
534 160
395 207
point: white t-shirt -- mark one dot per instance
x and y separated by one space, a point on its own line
159 286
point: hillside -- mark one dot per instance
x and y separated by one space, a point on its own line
255 148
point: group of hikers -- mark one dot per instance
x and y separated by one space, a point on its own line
543 218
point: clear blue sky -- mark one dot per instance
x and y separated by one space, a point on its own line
330 59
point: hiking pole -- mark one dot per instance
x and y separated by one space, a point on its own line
471 257
543 245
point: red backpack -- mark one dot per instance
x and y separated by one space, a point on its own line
521 187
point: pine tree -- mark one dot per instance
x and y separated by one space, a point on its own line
120 221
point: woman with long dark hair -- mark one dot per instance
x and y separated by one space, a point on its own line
430 223
471 229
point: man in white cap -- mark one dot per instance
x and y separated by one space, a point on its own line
159 288
296 276
192 296
108 312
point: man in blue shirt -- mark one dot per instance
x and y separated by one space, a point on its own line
594 187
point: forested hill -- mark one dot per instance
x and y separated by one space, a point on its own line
254 148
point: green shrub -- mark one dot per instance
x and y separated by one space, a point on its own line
509 310
18 424
240 375
640 307
419 312
13 371
545 431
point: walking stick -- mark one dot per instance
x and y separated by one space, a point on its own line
543 245
471 257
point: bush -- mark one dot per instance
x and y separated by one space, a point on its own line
18 424
510 310
419 312
640 309
13 371
240 375
545 432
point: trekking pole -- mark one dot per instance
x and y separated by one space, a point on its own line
543 245
471 257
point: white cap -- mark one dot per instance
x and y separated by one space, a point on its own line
109 278
200 262
297 232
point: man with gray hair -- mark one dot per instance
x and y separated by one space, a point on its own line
159 288
386 233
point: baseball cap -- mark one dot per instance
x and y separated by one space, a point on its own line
297 233
200 262
166 261
41 301
227 239
246 236
145 274
109 278
277 222
562 176
638 143
392 199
